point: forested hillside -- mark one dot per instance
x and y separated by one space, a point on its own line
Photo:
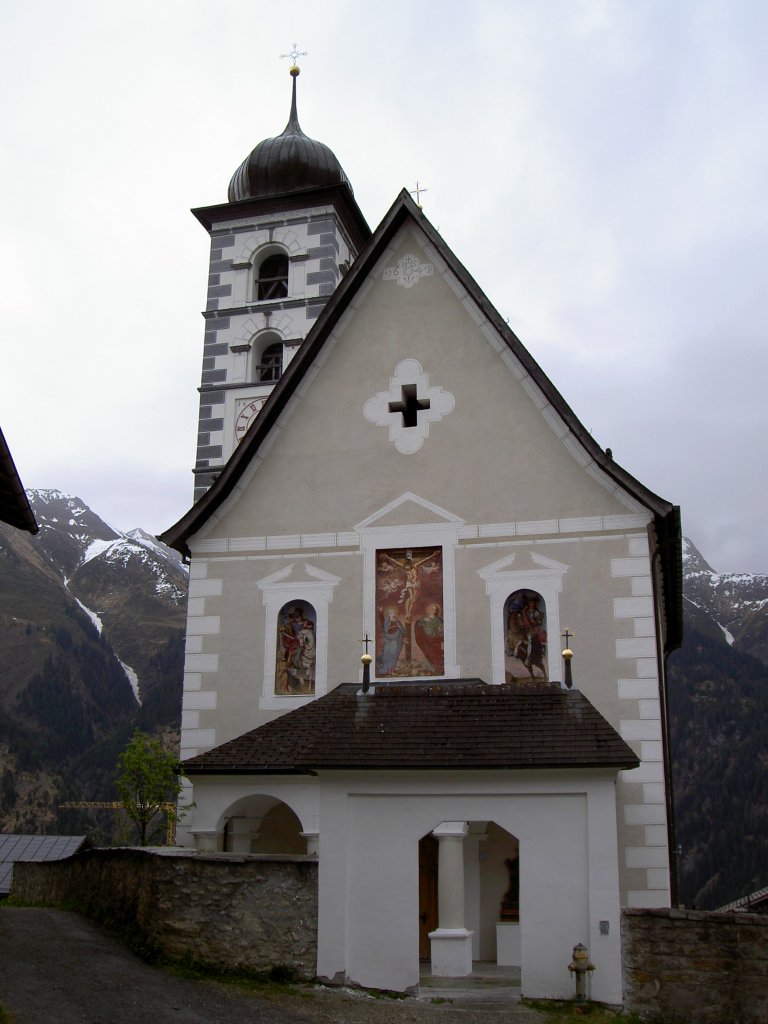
719 726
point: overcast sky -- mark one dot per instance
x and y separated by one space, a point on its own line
599 167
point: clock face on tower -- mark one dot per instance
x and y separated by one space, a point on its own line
246 416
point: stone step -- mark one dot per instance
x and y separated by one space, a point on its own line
471 981
494 995
486 983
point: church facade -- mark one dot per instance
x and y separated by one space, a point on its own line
383 466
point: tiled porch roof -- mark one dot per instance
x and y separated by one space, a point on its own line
452 724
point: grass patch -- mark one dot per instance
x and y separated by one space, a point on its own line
17 901
570 1012
278 980
385 993
6 1017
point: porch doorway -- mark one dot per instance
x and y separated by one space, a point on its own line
428 847
491 893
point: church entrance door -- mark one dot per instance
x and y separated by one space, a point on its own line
428 847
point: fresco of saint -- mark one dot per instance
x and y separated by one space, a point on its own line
525 637
296 641
409 626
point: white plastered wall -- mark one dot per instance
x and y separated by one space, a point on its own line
544 502
368 896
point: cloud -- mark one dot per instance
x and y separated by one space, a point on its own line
598 167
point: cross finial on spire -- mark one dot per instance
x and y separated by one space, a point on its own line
417 192
365 639
566 635
294 53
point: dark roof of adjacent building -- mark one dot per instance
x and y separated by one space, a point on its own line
15 848
666 516
450 724
290 162
14 506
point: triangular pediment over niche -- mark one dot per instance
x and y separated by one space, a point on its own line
408 510
297 574
523 562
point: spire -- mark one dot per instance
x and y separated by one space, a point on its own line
294 71
293 127
289 162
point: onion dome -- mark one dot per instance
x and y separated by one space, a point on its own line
291 162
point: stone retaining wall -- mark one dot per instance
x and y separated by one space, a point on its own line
688 965
253 912
260 911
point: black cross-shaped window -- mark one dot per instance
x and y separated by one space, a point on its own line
409 405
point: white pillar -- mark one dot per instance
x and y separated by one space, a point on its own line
472 858
242 832
206 840
451 943
313 843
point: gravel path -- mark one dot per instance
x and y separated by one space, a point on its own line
60 968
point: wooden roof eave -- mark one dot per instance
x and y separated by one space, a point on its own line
341 195
14 504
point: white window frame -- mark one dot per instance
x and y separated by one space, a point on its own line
501 580
278 589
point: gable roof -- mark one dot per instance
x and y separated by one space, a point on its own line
666 516
14 506
417 725
19 848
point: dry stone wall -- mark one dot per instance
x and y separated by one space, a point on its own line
247 912
686 965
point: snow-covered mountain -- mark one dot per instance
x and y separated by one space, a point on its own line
735 603
127 583
91 646
72 536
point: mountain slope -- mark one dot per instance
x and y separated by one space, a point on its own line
718 696
719 725
91 646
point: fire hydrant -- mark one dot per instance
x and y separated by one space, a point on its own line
581 966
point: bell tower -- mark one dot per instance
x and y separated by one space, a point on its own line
290 229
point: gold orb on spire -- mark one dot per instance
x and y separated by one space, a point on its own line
295 70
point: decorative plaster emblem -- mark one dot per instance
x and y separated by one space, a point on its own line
408 271
409 406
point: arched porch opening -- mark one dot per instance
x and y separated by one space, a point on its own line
482 858
262 824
